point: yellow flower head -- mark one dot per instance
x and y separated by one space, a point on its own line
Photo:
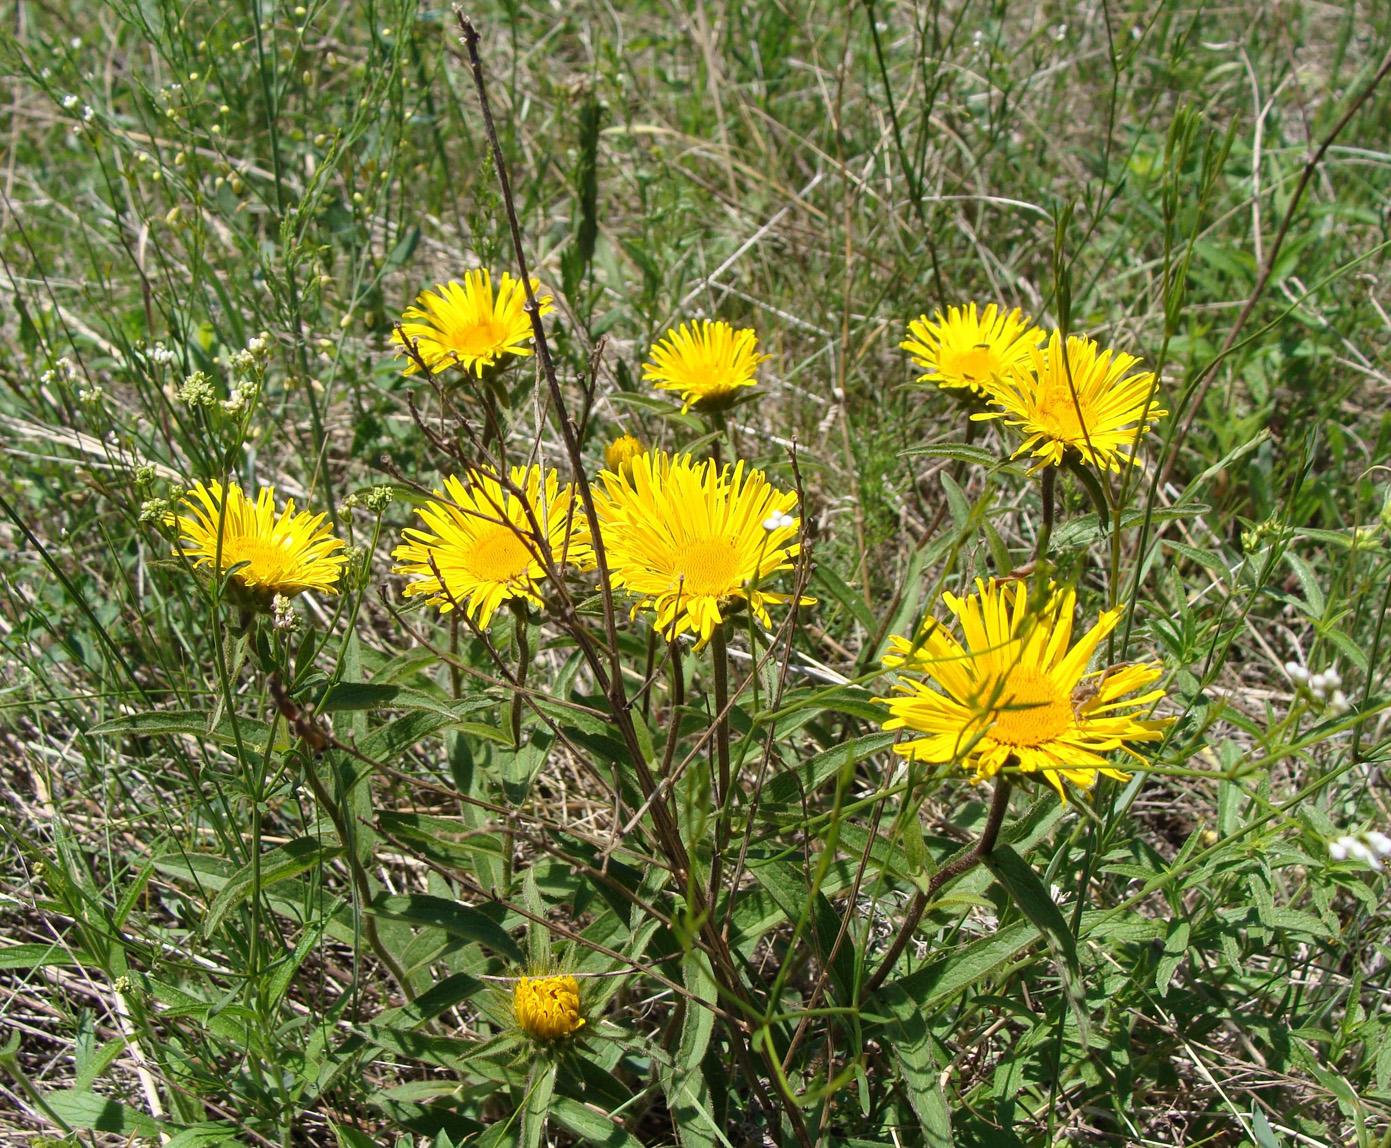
547 1008
1015 693
705 362
464 324
690 539
619 454
1085 400
970 350
270 555
486 543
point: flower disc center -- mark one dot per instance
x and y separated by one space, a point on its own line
976 364
498 555
479 339
1030 709
269 563
709 567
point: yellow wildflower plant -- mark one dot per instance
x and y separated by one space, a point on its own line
1015 693
468 325
547 1008
966 349
480 545
267 553
1075 396
692 539
707 363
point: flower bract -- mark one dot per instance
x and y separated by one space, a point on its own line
1074 396
480 545
547 1008
691 539
969 349
285 554
467 325
1016 693
705 362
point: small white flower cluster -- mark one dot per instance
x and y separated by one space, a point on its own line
162 355
283 616
242 396
1369 848
250 360
1326 686
63 372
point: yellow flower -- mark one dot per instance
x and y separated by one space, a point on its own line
1015 694
271 555
690 539
970 350
547 1008
463 324
487 544
621 452
1085 400
705 362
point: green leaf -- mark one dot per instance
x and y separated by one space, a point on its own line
956 451
101 1114
930 988
41 957
278 864
450 917
205 1135
540 1088
591 1127
824 578
1175 953
1028 893
687 1091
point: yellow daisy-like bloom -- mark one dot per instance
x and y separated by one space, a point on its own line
547 1008
970 350
267 554
621 452
465 324
692 539
1085 400
483 541
1015 694
705 362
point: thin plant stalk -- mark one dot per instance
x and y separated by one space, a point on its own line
999 805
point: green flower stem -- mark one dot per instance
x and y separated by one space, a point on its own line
361 881
963 862
724 800
1047 488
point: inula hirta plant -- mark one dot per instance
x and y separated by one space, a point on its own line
1014 693
267 553
706 363
466 325
481 544
690 539
970 350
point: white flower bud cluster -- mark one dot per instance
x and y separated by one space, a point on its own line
162 356
63 372
1326 686
1369 848
242 397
